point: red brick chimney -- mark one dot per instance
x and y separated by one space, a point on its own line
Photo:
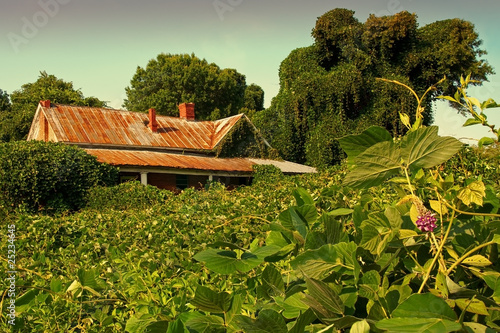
152 121
186 111
45 104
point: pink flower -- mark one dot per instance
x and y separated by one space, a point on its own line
426 222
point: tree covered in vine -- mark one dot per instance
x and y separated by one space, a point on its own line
330 89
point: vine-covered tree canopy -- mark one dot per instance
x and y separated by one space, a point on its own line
4 101
329 89
171 79
16 122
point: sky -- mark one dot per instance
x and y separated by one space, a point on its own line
98 44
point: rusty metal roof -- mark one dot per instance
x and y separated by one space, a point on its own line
90 125
132 158
122 138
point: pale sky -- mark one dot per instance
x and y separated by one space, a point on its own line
98 44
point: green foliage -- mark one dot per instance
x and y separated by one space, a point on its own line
330 89
126 264
4 102
125 196
304 254
244 140
15 124
171 79
266 174
49 176
475 109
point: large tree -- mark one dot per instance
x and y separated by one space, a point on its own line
331 89
15 124
171 79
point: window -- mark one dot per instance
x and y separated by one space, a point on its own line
181 181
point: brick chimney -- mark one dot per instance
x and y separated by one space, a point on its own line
186 111
152 121
45 104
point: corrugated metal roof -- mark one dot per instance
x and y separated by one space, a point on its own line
90 125
122 138
132 158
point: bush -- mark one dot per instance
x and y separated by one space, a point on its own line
268 174
49 176
129 195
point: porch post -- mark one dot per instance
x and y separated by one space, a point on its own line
144 178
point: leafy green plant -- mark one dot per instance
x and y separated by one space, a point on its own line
411 250
475 109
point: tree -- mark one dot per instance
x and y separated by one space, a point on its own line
330 89
4 101
16 123
171 79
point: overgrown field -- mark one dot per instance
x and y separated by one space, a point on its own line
287 254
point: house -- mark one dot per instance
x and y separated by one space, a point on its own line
167 152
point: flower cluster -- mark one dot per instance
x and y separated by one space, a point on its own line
426 222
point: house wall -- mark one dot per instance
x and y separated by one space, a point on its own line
172 182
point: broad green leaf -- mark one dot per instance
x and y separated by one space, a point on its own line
299 218
490 103
373 240
212 324
353 145
236 305
441 285
208 300
334 229
473 306
405 119
146 323
302 321
360 327
90 278
449 98
292 305
56 285
496 238
272 279
478 328
418 325
473 193
406 233
276 238
424 306
394 217
268 321
438 207
374 165
477 260
24 302
177 327
472 121
325 296
474 101
424 148
485 141
302 197
220 261
227 262
318 263
341 212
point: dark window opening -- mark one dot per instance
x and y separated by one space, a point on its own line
181 182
